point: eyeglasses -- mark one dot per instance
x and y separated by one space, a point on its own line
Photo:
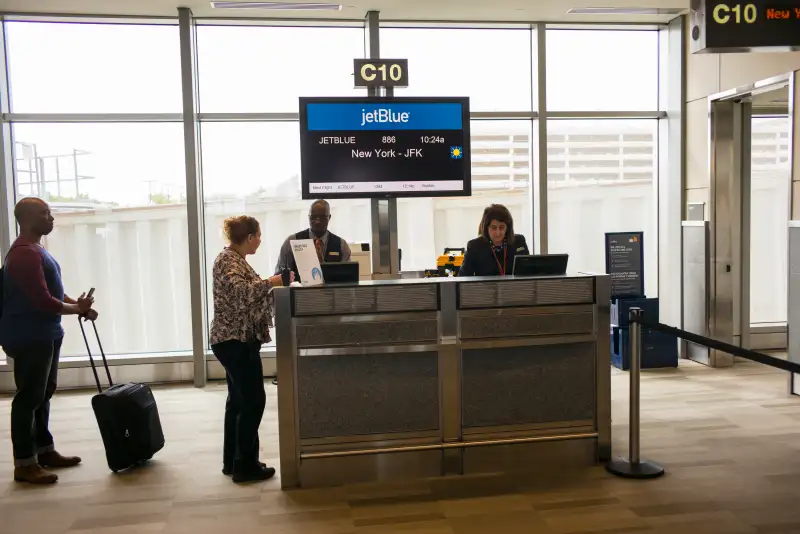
318 217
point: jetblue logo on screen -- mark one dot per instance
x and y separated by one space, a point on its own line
383 115
344 116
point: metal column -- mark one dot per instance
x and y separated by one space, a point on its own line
695 273
540 135
385 248
194 191
793 317
729 298
8 226
671 167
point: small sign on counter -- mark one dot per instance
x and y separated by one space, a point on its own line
305 256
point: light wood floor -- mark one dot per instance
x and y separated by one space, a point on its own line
730 440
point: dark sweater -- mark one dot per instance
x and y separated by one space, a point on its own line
480 261
33 294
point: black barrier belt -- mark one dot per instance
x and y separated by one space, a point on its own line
772 361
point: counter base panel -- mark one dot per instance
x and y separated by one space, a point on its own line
540 458
534 458
327 472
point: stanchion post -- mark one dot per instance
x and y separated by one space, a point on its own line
634 466
635 344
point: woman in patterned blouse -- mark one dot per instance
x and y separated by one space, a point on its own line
242 317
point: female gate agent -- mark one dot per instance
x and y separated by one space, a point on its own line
242 317
493 252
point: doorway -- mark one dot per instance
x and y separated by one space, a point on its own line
749 211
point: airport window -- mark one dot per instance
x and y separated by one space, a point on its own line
93 68
602 70
454 220
118 188
769 213
591 194
491 66
117 193
265 69
253 168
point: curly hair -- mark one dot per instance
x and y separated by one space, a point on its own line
237 229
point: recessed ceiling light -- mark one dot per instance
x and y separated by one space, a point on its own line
625 11
282 6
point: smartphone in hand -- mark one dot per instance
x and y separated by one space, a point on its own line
91 292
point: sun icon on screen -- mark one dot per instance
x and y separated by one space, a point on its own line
456 152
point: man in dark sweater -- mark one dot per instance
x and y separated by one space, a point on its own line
31 334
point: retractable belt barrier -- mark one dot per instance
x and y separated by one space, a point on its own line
721 346
634 466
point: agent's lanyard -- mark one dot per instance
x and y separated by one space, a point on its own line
496 259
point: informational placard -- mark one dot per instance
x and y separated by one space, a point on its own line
723 26
384 147
307 261
625 263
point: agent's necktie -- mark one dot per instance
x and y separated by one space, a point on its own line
318 246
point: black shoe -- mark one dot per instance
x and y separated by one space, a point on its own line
227 470
258 474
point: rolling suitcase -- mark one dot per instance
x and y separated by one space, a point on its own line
127 415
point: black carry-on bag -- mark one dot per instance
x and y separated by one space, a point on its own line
127 415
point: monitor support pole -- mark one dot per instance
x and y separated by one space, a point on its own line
385 250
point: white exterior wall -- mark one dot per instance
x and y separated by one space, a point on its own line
137 257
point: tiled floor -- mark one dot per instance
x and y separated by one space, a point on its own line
730 440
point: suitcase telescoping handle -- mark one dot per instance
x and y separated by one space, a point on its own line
102 354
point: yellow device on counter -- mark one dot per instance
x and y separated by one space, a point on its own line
450 260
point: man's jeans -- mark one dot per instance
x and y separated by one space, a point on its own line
36 377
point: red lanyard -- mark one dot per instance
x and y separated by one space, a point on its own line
505 255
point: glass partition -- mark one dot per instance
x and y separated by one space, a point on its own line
117 189
501 174
93 68
261 69
118 196
253 168
769 208
601 177
500 61
602 70
114 169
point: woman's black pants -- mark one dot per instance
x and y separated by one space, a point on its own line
246 400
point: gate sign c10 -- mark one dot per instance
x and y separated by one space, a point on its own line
381 72
720 26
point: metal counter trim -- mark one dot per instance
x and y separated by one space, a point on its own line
351 350
424 435
315 320
579 307
445 446
526 341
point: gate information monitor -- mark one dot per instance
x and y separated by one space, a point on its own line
384 147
